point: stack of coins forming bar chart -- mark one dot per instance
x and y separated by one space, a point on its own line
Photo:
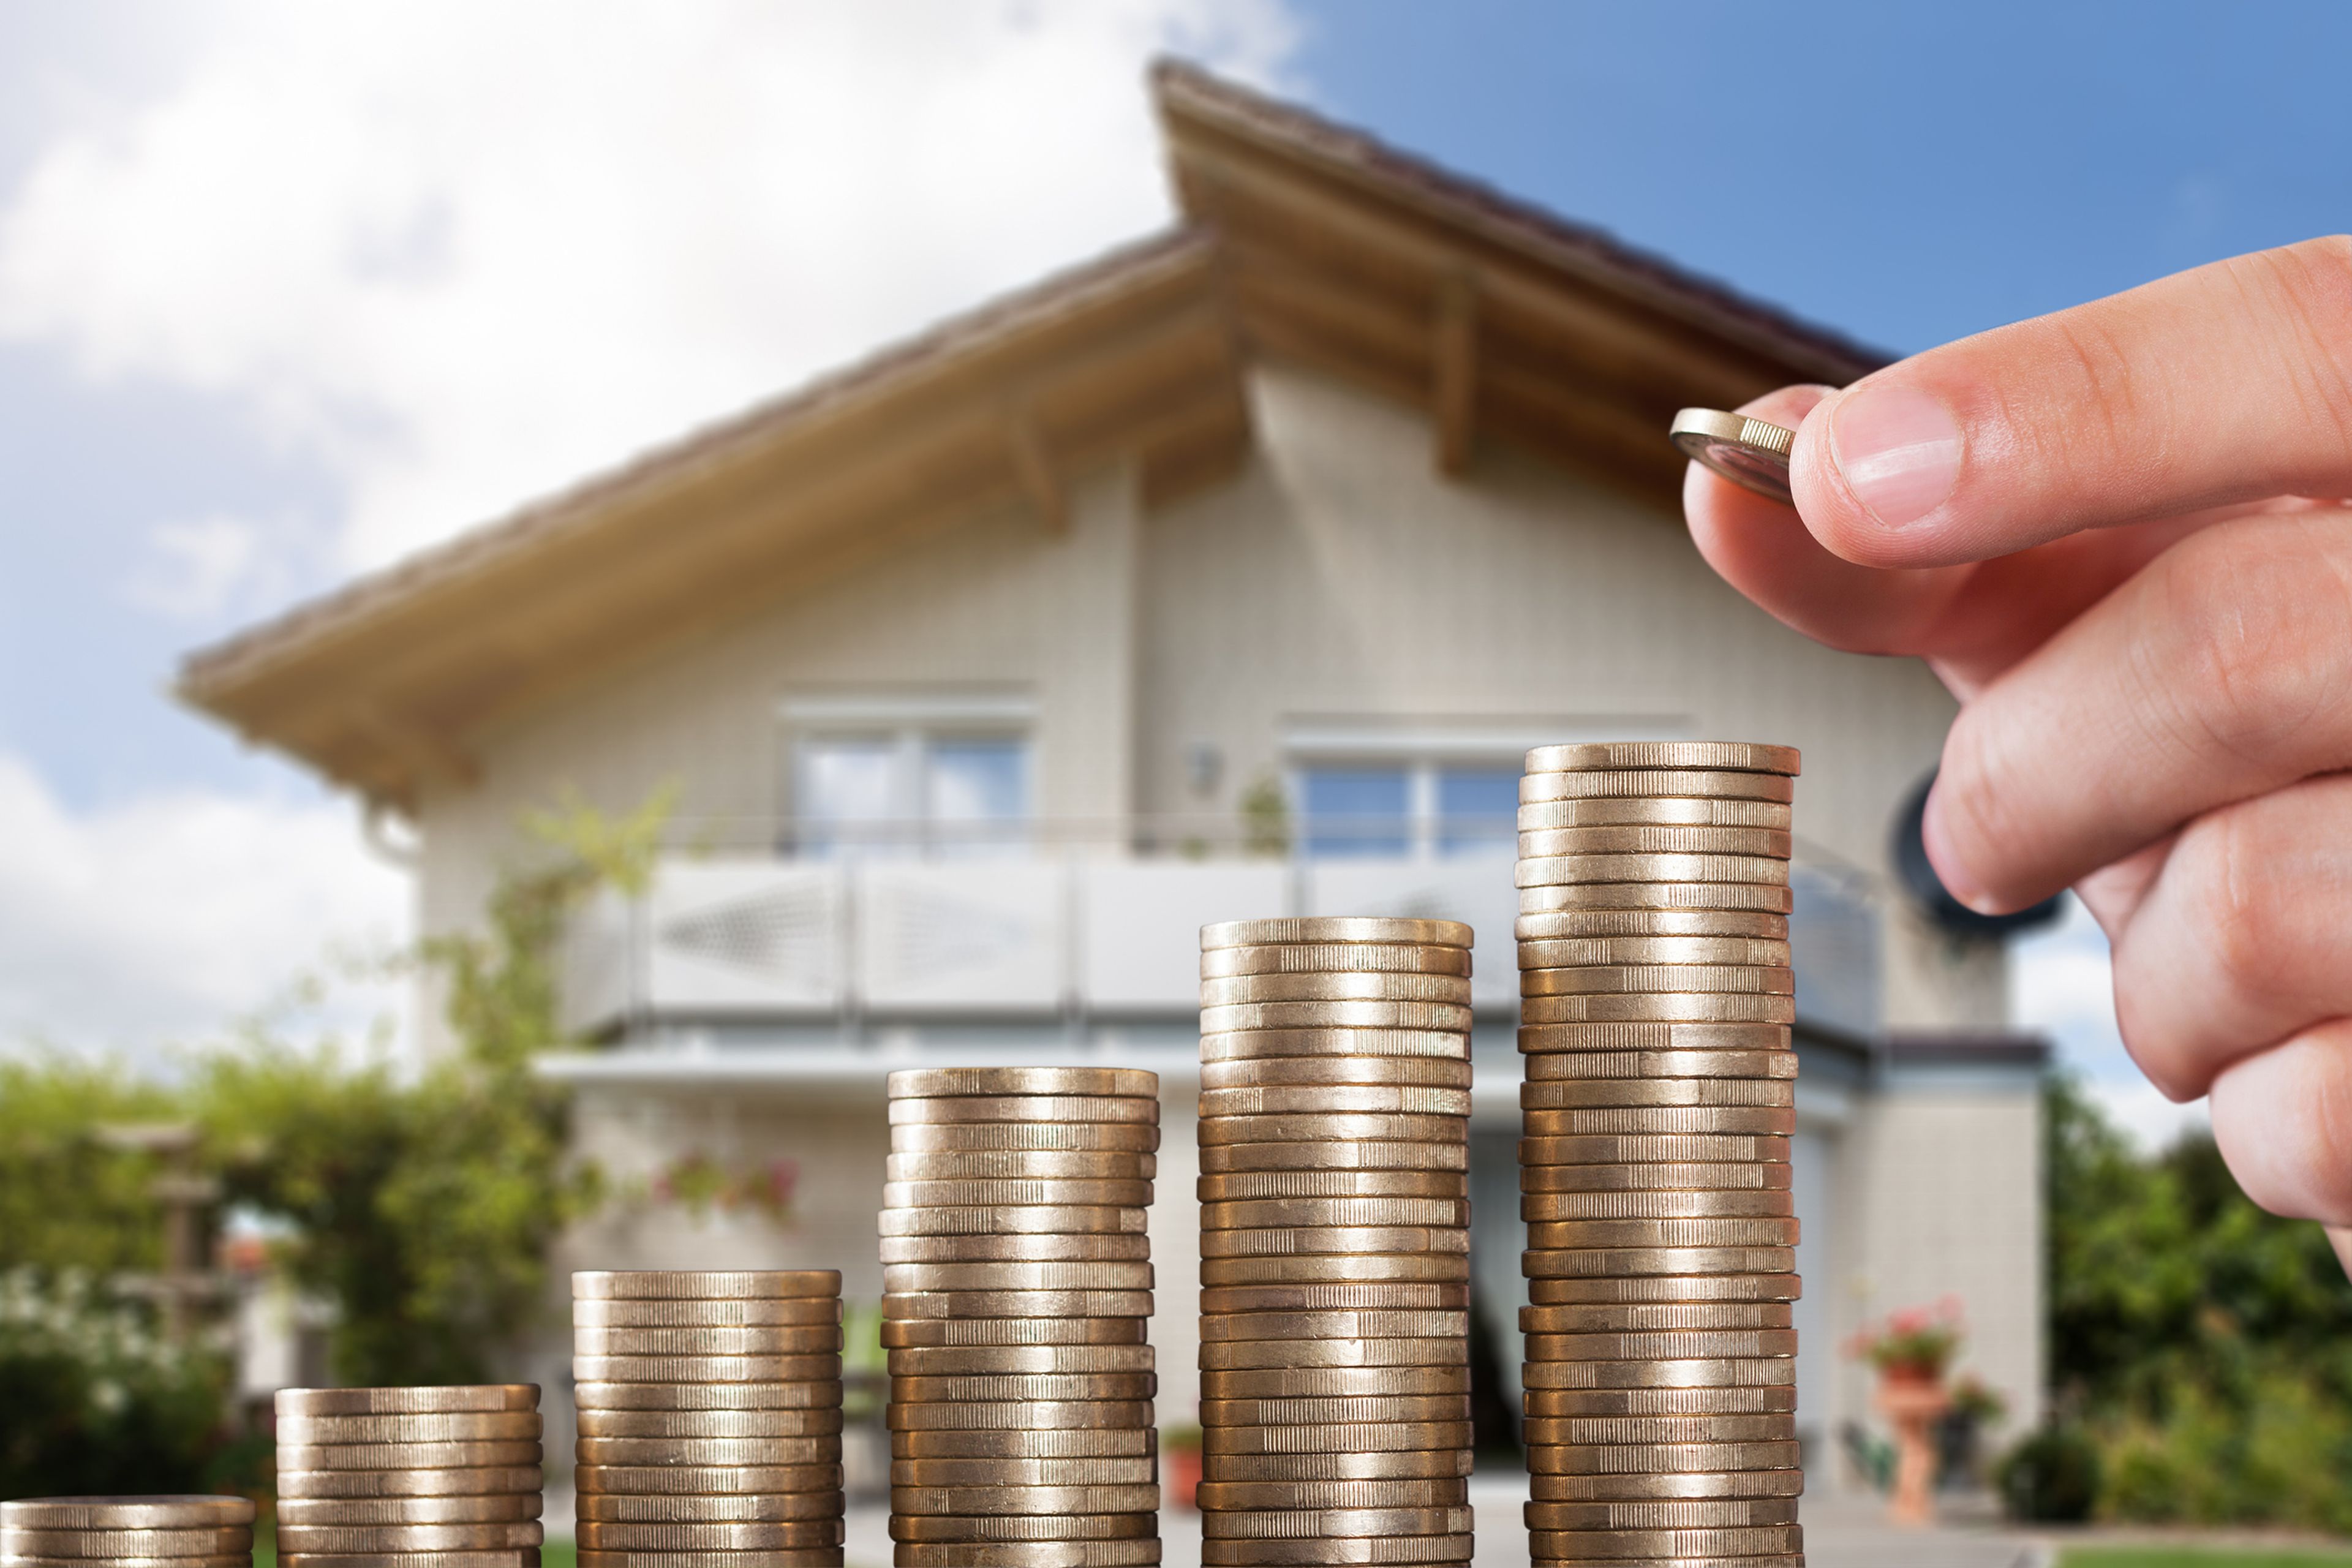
1656 1001
409 1478
1335 1378
710 1417
1017 1273
127 1532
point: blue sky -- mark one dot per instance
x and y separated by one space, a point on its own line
286 290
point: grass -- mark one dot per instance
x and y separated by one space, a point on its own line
2198 1557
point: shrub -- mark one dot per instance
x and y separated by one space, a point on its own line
2052 1477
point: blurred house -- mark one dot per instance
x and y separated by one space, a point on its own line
1226 576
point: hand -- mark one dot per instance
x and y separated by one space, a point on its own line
2117 535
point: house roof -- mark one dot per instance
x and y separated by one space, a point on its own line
1301 240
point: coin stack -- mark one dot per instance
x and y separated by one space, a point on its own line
1335 1242
1655 1005
409 1478
1017 1276
127 1532
709 1413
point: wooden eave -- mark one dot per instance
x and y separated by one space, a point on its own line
1499 318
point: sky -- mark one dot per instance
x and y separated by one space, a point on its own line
288 290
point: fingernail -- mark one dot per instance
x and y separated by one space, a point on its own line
1899 449
1948 870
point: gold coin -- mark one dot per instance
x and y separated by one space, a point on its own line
1748 1121
186 1541
735 1535
1263 1072
1611 979
1666 1344
407 1401
909 1333
243 1559
1407 1296
962 1302
1013 1219
983 1387
707 1368
898 1278
1410 1464
1777 1427
689 1284
999 1499
344 1539
1752 897
1132 1470
1021 1191
764 1341
1683 811
1639 924
1672 952
1651 1458
594 1423
620 1508
456 1481
1408 1552
798 1557
1023 1166
1112 1246
1579 1233
160 1511
1249 1045
1341 1436
1340 1267
820 1451
1335 958
1236 1186
1117 1109
1138 1553
1309 1156
1654 1035
1562 1206
518 1557
1587 1065
1699 1007
1579 1263
488 1507
1297 1211
1287 1524
812 1393
1680 1545
1603 756
696 1480
403 1456
1317 929
1749 453
1645 1148
1335 1325
1334 1127
1560 1403
1656 784
1232 990
1748 1372
931 1083
1552 843
1610 1317
1333 1382
1424 1491
1569 1094
1229 1355
1081 1442
957 1360
1023 1137
1360 1015
1031 1415
1347 1239
732 1312
1341 1099
1631 1289
1024 1526
1671 1486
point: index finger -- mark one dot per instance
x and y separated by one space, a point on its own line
2227 383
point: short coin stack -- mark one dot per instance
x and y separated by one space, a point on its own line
710 1413
1654 1014
127 1532
1017 1275
1335 1242
409 1478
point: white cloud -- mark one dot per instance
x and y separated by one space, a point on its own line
464 253
158 922
196 569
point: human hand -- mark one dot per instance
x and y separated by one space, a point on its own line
2118 534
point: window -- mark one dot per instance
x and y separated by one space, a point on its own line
1357 810
1408 808
905 790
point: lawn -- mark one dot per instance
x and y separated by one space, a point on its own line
2195 1557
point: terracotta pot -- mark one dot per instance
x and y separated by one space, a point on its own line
1181 1472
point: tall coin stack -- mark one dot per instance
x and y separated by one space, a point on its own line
1335 1242
106 1531
709 1415
409 1478
1017 1276
1656 1006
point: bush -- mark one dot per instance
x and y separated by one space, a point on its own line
2052 1477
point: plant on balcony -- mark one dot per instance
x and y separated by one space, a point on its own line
702 1184
1265 818
1915 1344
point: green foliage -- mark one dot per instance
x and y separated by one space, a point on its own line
2194 1557
69 1200
2052 1477
1265 818
95 1401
